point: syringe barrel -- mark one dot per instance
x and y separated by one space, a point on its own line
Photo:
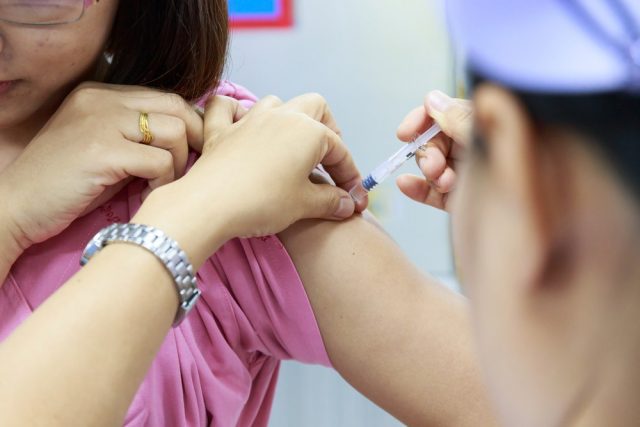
393 163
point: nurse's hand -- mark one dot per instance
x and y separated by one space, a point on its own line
439 160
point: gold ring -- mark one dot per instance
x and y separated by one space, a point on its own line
143 123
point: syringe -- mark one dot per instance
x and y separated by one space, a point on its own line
382 172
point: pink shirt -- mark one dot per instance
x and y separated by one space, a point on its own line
220 366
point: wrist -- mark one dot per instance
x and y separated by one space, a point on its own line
12 245
185 219
163 247
10 251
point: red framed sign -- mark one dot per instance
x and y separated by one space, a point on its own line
261 13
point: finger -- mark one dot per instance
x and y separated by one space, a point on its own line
316 107
443 143
200 110
418 189
446 182
432 162
141 161
169 133
455 116
106 195
416 123
221 113
266 103
242 111
152 101
327 202
320 176
338 162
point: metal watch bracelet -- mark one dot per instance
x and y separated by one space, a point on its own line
163 247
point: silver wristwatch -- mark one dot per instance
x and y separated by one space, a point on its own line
162 246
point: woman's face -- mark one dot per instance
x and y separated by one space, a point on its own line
39 65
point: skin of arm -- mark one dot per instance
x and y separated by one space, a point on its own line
397 336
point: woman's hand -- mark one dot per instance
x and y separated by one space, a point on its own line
438 161
89 150
253 176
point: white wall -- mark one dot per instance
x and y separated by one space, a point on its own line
373 60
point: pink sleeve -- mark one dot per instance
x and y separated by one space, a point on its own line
272 313
232 90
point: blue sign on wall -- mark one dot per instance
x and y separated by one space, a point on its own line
260 13
252 7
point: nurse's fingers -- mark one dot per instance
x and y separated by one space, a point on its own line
414 124
455 116
438 169
439 173
432 160
446 182
418 189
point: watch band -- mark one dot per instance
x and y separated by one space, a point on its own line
163 247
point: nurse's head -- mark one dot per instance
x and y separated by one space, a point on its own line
547 216
48 46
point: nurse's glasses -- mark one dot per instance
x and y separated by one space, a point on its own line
42 12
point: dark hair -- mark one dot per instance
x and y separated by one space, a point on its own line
609 120
175 45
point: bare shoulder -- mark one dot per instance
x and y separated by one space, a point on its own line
340 249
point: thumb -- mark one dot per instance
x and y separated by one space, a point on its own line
455 116
327 201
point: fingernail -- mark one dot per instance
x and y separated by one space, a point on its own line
439 101
345 208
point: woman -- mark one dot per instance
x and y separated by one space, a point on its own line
70 152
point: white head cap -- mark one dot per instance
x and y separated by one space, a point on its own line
559 46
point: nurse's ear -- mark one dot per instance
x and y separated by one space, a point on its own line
513 173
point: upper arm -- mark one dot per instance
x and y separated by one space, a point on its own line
394 334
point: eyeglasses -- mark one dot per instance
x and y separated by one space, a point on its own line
42 12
